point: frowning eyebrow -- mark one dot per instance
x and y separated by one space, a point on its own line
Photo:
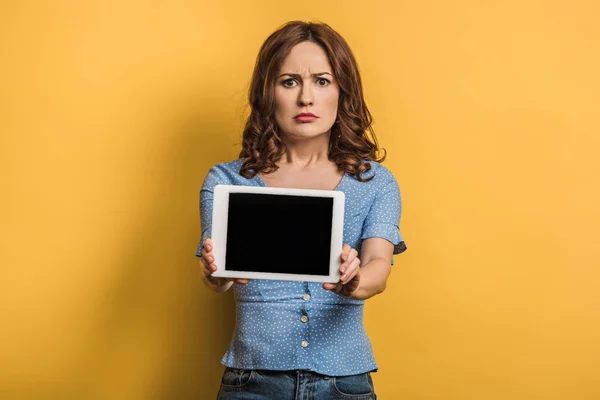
315 75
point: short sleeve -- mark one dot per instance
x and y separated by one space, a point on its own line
383 219
206 206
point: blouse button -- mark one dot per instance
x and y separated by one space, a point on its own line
304 343
306 297
304 318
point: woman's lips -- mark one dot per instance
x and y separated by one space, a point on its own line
305 117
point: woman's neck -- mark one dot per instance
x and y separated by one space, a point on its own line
306 153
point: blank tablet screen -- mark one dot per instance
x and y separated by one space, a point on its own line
279 233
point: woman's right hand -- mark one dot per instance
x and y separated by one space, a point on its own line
207 261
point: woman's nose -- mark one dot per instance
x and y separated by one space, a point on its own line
305 98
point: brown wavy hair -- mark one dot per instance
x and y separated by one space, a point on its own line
352 138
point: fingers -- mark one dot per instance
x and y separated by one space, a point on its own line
348 256
239 281
350 271
336 288
209 266
208 258
208 261
350 278
345 251
209 270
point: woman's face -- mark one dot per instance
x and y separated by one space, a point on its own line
306 85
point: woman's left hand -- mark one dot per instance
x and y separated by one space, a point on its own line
349 271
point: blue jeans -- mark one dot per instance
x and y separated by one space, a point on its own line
293 385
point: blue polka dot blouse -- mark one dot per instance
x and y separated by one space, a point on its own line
288 325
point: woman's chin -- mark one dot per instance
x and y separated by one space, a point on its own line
307 133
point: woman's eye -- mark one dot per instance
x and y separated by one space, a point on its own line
289 83
322 82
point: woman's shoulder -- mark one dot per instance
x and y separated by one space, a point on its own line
378 172
225 173
229 166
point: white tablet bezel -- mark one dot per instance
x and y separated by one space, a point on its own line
219 232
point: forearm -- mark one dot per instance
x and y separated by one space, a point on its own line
373 278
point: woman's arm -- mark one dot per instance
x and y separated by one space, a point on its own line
363 279
376 257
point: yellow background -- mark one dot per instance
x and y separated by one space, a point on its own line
111 113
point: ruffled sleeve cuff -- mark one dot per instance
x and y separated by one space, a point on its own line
389 232
205 235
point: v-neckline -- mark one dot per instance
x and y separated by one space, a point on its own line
262 182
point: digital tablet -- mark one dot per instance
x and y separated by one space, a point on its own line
277 233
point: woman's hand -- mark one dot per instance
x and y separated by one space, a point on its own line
349 271
209 267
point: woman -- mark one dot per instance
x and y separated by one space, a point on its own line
309 128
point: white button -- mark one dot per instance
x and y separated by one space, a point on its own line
304 318
306 297
304 343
